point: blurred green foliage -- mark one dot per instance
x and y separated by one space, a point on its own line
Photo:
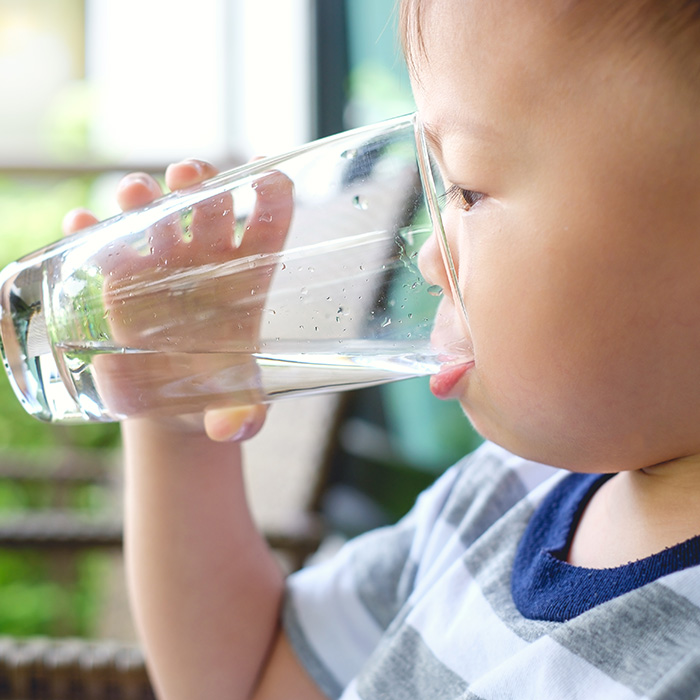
34 601
35 597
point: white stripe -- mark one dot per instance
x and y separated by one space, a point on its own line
444 547
335 622
684 583
546 670
454 628
540 491
350 693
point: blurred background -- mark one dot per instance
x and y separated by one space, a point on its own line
91 89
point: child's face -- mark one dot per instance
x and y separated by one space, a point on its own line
580 266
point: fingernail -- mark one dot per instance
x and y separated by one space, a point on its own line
138 179
194 163
245 431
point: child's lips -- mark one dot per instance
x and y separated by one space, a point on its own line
444 383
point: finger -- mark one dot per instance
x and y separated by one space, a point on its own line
76 220
269 223
187 173
213 225
233 424
213 222
136 190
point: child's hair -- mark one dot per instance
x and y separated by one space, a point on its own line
673 26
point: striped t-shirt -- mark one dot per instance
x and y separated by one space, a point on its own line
431 608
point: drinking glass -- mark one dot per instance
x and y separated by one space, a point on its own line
291 275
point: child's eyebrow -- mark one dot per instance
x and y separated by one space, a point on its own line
434 134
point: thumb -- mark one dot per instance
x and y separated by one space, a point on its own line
234 423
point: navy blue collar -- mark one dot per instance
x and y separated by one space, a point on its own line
546 587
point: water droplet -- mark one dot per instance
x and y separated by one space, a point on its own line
273 312
435 290
349 154
266 218
359 202
386 322
303 291
284 267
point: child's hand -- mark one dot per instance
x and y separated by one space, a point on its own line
141 310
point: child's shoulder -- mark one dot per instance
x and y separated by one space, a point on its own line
479 490
491 472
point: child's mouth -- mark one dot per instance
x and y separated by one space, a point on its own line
444 382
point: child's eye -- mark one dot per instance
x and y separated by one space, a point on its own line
465 199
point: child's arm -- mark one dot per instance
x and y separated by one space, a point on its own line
204 587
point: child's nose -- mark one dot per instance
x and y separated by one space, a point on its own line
431 263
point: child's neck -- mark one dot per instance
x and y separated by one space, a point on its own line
637 514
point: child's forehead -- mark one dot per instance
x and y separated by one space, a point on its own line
553 46
527 41
453 24
669 26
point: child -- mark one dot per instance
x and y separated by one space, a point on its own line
568 131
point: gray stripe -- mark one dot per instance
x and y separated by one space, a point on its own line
404 668
490 562
640 637
683 683
304 651
484 492
383 573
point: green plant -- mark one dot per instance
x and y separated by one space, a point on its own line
43 595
